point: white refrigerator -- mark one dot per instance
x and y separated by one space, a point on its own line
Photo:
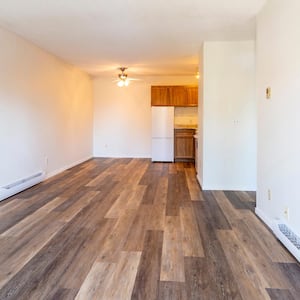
163 133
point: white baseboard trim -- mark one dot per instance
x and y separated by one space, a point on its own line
60 170
264 218
199 181
21 185
226 188
122 156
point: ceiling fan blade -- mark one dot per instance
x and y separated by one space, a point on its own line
134 79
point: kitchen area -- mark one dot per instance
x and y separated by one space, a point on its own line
174 123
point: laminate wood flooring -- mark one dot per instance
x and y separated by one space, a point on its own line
132 229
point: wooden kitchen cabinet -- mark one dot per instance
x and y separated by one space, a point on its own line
160 96
176 95
184 145
192 95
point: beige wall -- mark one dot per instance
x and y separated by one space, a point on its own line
278 67
227 153
46 111
122 116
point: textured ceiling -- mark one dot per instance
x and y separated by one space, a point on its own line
150 37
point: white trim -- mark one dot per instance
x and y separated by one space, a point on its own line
121 156
24 184
227 188
273 225
284 240
21 185
264 218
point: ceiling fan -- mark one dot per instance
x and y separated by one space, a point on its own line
123 77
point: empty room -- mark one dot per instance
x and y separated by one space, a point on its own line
149 149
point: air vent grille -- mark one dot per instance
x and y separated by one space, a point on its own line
287 236
294 239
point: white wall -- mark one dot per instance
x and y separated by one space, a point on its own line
200 118
229 116
278 66
122 120
45 111
122 116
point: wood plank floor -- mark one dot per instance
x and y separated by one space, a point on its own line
132 229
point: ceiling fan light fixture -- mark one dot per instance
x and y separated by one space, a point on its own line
122 76
123 80
120 83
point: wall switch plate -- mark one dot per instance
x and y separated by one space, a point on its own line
268 93
286 213
269 194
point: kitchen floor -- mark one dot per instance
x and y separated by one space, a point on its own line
132 229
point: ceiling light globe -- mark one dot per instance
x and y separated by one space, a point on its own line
120 83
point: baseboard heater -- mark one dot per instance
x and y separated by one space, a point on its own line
20 185
288 237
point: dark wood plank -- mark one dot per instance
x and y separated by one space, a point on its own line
252 194
165 170
259 257
182 185
266 239
120 228
247 200
150 192
135 239
213 212
292 272
221 279
114 242
70 234
22 211
71 200
235 200
172 262
277 294
64 294
173 196
251 283
150 179
197 277
171 290
147 278
38 270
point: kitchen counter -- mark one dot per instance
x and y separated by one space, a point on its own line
186 127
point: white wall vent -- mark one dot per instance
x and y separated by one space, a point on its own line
20 185
288 237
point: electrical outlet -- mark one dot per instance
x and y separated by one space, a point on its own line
269 194
286 213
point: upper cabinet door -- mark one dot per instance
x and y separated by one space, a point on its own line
177 95
192 95
160 96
